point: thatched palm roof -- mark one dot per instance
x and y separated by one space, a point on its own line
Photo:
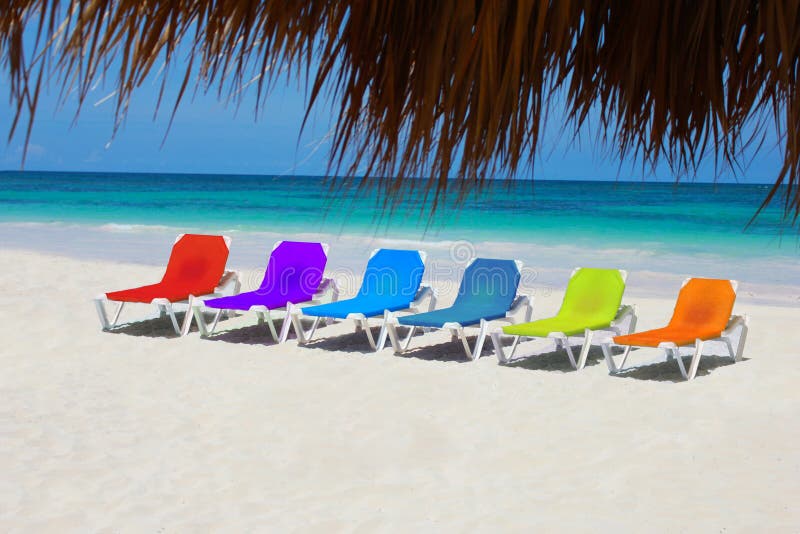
452 86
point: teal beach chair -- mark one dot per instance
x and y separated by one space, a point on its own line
488 292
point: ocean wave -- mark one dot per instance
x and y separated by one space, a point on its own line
87 226
37 224
352 247
135 228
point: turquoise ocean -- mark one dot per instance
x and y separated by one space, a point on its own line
651 229
684 218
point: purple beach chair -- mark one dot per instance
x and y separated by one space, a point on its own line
294 276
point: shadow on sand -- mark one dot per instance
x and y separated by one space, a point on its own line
662 371
554 360
162 327
667 371
154 327
447 351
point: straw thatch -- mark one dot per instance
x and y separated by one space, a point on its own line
451 86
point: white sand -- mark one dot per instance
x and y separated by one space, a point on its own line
140 431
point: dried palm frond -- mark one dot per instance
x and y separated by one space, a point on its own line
451 87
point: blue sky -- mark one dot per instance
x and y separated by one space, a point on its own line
208 136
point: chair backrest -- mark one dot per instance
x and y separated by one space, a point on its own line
489 284
704 302
197 262
393 273
294 269
594 294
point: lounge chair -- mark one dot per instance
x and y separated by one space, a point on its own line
391 282
702 313
294 276
196 268
591 303
486 294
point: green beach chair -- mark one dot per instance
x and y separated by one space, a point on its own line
591 303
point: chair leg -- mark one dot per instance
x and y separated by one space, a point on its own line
739 351
217 316
610 363
271 326
625 355
694 364
499 351
294 316
698 353
382 337
287 324
303 336
197 311
171 313
497 343
187 319
393 339
587 344
671 356
399 345
313 328
363 324
476 352
740 347
117 314
406 342
464 343
613 367
101 313
570 354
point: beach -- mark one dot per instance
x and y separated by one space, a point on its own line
604 199
139 430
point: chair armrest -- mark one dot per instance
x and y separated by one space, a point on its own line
624 312
736 321
425 290
327 285
521 302
742 324
230 283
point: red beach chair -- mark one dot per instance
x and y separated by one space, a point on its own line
196 269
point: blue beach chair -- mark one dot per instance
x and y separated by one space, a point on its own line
391 283
487 293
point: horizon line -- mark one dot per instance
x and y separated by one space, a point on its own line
650 180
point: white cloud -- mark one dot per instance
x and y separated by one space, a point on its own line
34 151
93 157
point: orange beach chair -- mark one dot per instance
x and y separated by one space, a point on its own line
702 313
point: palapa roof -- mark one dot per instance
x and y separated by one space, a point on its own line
450 87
